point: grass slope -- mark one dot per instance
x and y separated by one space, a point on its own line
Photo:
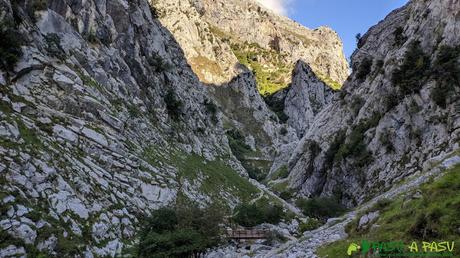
434 216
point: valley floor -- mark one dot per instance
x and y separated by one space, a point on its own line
438 185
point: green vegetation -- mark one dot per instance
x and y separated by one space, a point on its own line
10 45
182 231
212 109
277 106
217 177
53 45
364 68
329 81
412 74
134 111
400 39
309 225
173 105
271 76
416 70
433 217
40 5
281 173
352 145
30 136
89 81
330 155
158 64
255 173
153 11
237 144
250 215
446 71
321 208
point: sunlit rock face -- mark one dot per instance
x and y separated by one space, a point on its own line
215 35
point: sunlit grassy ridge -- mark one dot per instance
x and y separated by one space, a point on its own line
432 217
271 71
271 68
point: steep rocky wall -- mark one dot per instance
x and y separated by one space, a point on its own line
214 34
101 118
396 111
307 96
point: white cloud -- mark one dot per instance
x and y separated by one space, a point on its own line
278 6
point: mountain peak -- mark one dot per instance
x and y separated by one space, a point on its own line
217 35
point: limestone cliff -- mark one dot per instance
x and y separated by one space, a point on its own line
215 35
398 109
102 119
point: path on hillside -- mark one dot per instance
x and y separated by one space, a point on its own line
285 204
334 230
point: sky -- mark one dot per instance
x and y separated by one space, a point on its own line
347 17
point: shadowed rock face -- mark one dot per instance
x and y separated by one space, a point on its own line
305 98
213 32
98 120
381 129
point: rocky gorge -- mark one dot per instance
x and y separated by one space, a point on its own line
112 109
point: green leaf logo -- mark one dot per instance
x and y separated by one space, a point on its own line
353 248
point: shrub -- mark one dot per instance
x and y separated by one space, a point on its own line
275 44
255 173
399 37
446 71
355 145
182 231
153 11
250 215
321 208
287 194
390 101
53 45
10 46
276 104
212 109
40 5
331 153
281 173
310 225
158 64
237 144
134 111
365 67
173 105
411 75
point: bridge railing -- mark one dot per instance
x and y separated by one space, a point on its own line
248 233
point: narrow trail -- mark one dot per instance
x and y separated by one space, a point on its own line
285 204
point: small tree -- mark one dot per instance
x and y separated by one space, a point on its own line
181 231
173 105
320 208
10 45
358 37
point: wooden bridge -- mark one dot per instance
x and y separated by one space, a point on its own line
247 234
